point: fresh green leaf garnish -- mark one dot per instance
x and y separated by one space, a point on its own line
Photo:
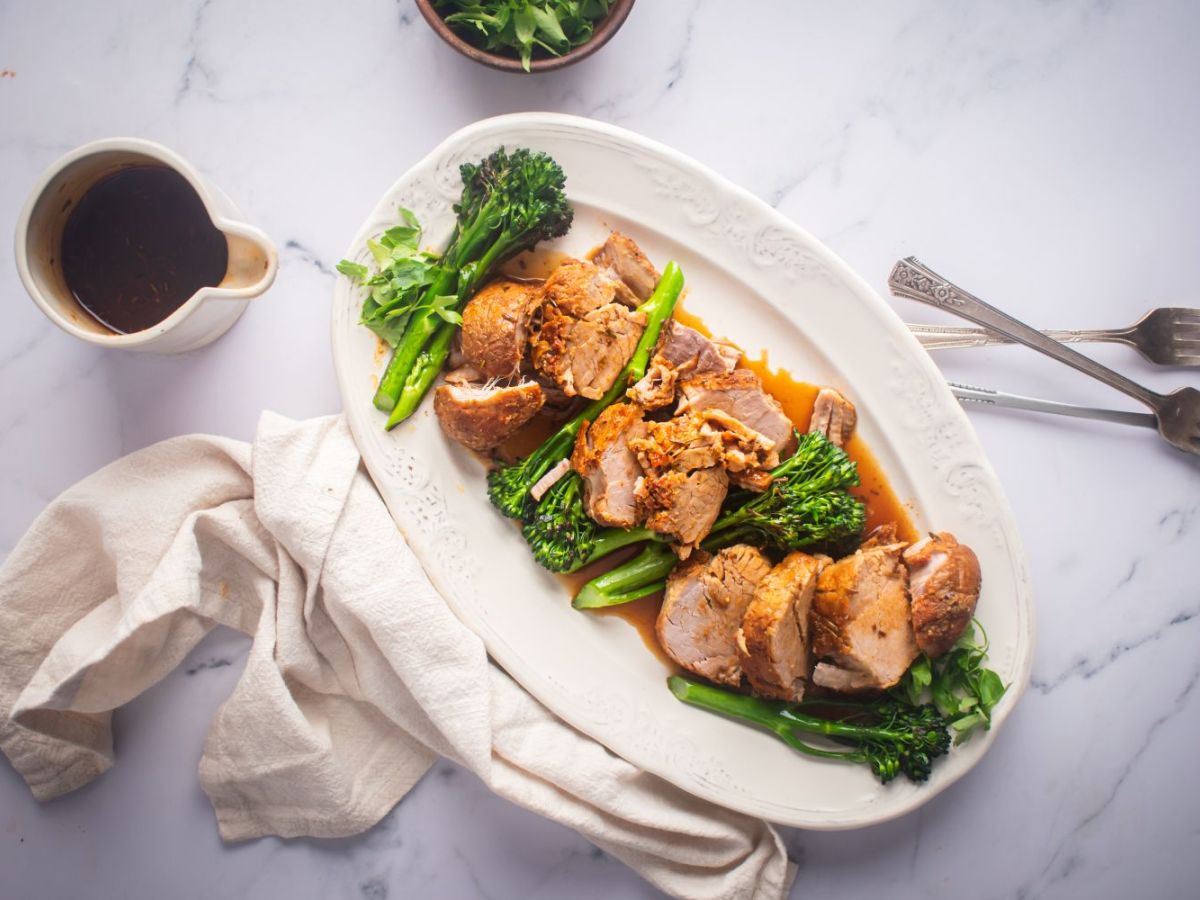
443 308
524 28
382 254
353 270
402 272
962 689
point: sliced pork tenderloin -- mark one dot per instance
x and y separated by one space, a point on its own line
700 439
740 394
577 287
584 356
688 462
703 607
484 416
495 326
681 352
624 260
773 643
683 505
861 622
610 470
586 333
833 416
944 582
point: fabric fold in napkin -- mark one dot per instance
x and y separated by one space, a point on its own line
358 675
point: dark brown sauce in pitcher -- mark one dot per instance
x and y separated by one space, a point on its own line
138 245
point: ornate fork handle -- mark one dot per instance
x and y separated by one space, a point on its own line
946 337
911 278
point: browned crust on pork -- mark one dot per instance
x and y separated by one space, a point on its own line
608 466
495 326
945 580
773 643
483 418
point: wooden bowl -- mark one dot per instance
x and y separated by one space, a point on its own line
604 30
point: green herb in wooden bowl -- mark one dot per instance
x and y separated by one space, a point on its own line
538 33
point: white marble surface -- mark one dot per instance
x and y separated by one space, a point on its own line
1041 154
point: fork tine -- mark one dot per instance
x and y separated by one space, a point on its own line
1187 317
1189 331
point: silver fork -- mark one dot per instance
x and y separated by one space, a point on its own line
1168 336
1178 413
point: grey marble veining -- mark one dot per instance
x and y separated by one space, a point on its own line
1042 154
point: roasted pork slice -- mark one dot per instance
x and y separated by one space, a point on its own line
740 394
705 601
681 352
482 416
625 261
944 582
861 623
495 326
745 450
577 287
773 641
584 356
833 416
683 505
610 470
700 439
683 444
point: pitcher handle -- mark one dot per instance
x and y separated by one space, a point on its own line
253 263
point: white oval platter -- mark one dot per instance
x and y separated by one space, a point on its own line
757 278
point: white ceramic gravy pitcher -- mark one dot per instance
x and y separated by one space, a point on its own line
209 312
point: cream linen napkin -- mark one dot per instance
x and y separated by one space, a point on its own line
358 677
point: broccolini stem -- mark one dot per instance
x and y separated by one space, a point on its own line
420 328
658 307
424 370
642 575
612 539
769 714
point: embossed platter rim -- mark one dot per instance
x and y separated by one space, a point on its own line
759 279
